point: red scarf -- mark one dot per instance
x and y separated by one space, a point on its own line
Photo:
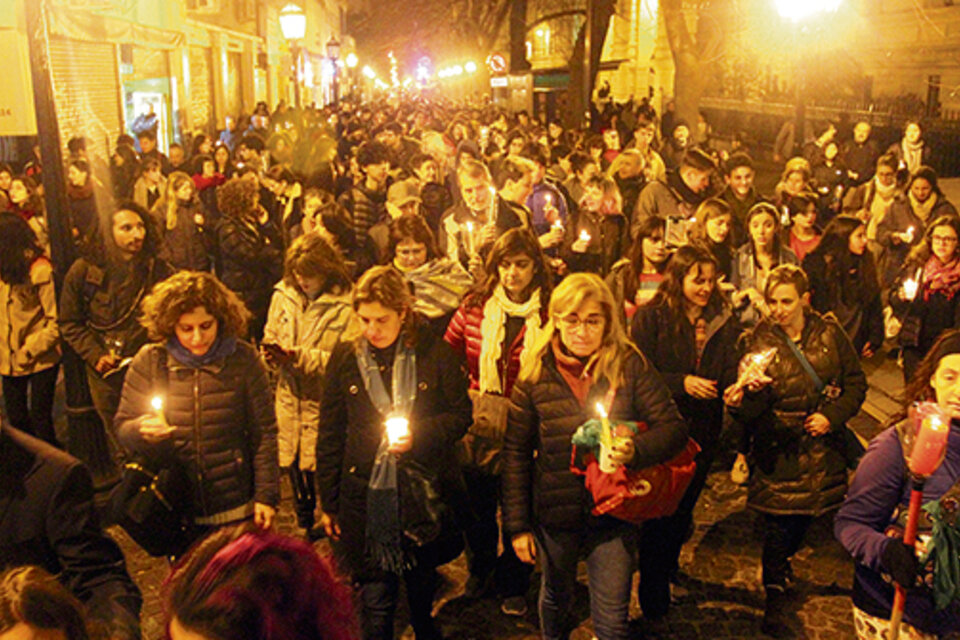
940 278
573 370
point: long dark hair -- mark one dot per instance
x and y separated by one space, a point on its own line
110 252
670 291
764 208
919 389
18 248
834 250
514 242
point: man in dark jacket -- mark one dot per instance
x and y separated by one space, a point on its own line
101 298
47 518
740 194
677 198
367 201
860 155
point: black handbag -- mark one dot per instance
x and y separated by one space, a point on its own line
151 504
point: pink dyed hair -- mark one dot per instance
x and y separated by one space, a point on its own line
244 583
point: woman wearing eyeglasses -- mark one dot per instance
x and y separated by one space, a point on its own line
581 356
925 294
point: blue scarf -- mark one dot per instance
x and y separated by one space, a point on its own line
221 348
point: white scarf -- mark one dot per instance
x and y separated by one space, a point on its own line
493 329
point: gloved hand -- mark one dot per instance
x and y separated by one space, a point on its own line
900 561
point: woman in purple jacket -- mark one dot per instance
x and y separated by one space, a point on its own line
877 502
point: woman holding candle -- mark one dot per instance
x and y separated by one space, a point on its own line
902 228
215 413
600 229
689 333
877 501
794 417
925 295
309 313
634 279
843 280
399 378
494 329
583 357
755 260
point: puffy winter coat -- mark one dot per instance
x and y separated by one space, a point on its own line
900 217
538 486
226 429
310 329
351 427
792 471
188 245
250 261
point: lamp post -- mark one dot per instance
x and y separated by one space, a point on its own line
293 24
799 12
333 52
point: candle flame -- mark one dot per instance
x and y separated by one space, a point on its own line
157 403
469 227
601 410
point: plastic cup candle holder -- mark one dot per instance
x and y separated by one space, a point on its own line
910 286
398 427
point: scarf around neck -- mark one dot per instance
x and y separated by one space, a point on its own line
384 535
493 329
438 286
923 209
221 348
943 279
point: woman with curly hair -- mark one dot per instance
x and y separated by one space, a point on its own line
250 249
217 592
216 413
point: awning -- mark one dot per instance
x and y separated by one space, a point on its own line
84 25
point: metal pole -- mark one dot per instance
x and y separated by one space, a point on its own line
587 64
295 50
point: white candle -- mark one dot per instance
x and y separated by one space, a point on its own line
910 231
549 199
397 427
157 404
910 287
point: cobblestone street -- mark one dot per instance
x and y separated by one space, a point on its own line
718 595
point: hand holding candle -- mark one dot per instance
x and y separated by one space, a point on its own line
910 232
155 428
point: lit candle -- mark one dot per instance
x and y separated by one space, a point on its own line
585 235
558 224
548 198
606 441
468 238
910 286
397 427
157 404
928 449
910 231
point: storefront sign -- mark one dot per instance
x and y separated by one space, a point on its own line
17 116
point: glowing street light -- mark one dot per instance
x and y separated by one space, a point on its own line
293 22
457 70
369 73
797 10
470 67
351 60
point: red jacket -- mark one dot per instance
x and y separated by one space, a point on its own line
463 334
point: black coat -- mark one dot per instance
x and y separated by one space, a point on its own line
855 302
538 486
794 473
188 245
226 428
48 519
249 261
351 427
670 344
609 241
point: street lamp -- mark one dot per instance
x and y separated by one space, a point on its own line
293 24
798 11
333 52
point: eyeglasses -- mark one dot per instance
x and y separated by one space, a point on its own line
572 322
943 239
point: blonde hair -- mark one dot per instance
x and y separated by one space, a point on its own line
573 292
623 158
170 202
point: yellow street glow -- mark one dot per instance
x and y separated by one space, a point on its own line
798 10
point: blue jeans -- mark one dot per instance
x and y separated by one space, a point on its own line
609 554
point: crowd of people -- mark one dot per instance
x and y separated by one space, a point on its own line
409 309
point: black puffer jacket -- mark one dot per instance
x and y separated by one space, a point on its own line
249 261
188 245
670 344
350 430
226 428
792 471
538 486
